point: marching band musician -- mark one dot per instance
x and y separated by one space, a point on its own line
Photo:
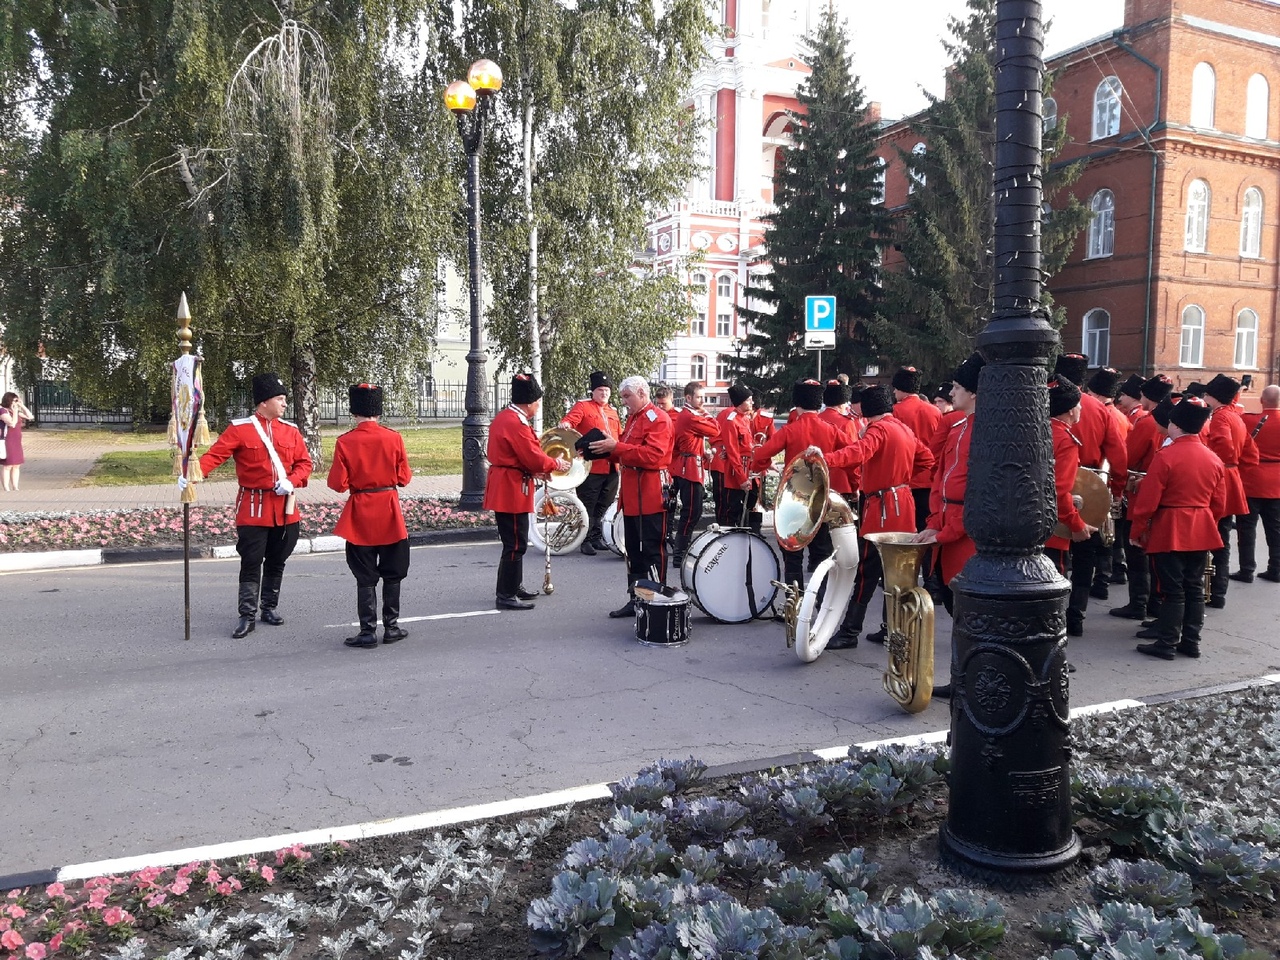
1129 399
836 397
1064 413
762 428
737 440
515 458
1100 443
600 489
942 398
891 456
1103 385
1140 447
643 453
693 427
1262 490
1229 439
923 419
805 430
663 400
271 462
950 417
370 461
1175 518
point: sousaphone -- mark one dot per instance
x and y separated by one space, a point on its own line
559 442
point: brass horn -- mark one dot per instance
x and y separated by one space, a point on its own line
805 501
559 442
909 620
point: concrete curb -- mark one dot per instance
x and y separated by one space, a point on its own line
458 815
59 559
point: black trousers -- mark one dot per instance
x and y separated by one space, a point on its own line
733 506
513 531
1178 577
1138 567
793 560
1222 560
1268 511
691 494
646 541
597 492
1086 557
389 562
717 492
264 550
870 572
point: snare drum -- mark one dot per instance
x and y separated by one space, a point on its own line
611 529
663 621
722 566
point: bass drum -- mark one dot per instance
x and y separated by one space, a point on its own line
565 529
726 570
611 529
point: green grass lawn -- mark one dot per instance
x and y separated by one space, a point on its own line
433 451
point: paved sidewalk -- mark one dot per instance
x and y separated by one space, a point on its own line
57 462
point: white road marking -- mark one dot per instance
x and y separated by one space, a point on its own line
434 616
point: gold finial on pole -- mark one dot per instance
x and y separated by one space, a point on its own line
184 325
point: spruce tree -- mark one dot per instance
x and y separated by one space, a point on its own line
824 237
936 305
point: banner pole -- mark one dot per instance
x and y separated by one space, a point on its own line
186 570
187 429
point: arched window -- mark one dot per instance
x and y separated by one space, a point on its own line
1251 223
1203 90
1102 228
878 196
1106 108
1192 353
724 287
1097 337
1257 104
722 367
1246 339
698 367
1196 239
1049 115
916 178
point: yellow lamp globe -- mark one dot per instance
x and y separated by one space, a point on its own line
460 97
485 76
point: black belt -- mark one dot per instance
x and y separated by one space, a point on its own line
952 503
258 489
881 493
374 490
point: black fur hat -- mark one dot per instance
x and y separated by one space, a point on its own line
1157 388
1063 395
599 379
1072 366
1105 382
1190 415
739 393
1222 388
907 379
943 392
266 386
806 394
365 400
877 400
836 393
525 389
1162 411
1133 386
967 373
1195 389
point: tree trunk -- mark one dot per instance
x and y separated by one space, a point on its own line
535 340
306 400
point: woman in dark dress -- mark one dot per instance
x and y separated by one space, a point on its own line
13 414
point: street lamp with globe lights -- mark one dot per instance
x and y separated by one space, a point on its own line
470 101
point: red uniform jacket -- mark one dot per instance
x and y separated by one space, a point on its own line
692 429
1122 421
1144 440
515 458
846 480
891 455
584 415
1066 464
1178 504
370 461
923 419
644 452
257 503
1262 479
939 439
1100 439
762 426
798 435
946 499
736 443
1229 439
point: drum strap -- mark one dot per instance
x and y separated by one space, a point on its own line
751 593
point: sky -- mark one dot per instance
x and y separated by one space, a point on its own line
894 72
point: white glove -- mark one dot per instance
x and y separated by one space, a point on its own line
183 483
284 487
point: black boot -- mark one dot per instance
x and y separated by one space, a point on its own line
678 552
755 521
367 611
510 573
1168 631
628 609
270 597
524 594
850 629
1192 623
391 631
248 609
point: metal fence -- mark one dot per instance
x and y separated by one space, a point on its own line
53 402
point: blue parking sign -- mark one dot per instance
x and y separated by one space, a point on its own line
819 314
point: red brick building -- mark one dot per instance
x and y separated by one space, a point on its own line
1177 115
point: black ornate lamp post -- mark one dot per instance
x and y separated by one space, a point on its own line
470 100
1010 810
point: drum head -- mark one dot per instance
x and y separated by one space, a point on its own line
611 530
729 564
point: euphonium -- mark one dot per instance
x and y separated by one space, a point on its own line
909 620
804 502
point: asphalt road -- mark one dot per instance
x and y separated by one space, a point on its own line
119 738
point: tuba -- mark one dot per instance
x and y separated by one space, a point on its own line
804 502
908 620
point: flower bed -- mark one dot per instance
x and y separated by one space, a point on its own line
209 525
1177 805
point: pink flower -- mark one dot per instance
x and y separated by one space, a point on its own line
180 886
224 889
36 951
11 940
112 916
268 874
98 898
16 911
214 877
55 942
5 924
55 890
155 900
